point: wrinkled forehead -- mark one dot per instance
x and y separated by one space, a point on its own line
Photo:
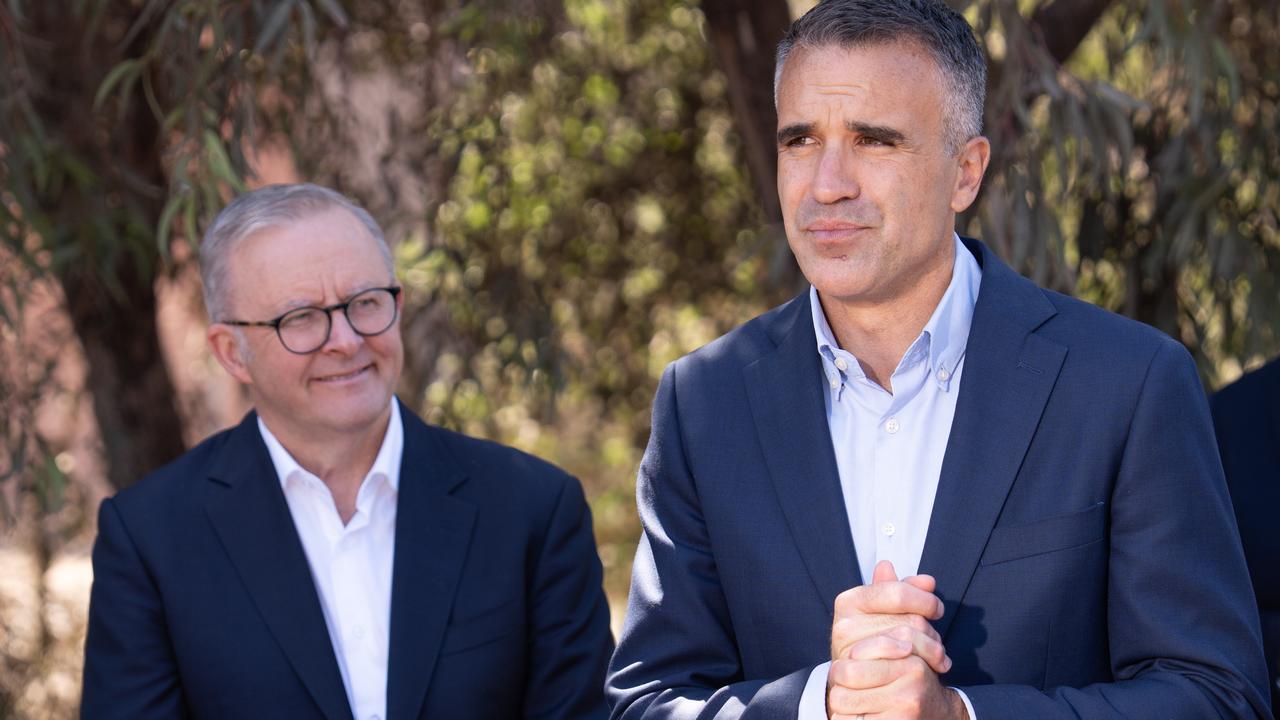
309 259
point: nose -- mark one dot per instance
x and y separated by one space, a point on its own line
342 338
835 175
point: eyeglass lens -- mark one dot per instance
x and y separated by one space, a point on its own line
307 329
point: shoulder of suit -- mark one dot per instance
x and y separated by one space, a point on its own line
168 487
483 459
750 340
1081 324
1252 388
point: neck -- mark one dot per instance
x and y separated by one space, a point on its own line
340 460
879 332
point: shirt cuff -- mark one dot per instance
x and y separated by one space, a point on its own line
968 706
813 701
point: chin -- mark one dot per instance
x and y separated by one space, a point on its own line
839 282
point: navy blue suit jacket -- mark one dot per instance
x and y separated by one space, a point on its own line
203 605
1082 538
1246 415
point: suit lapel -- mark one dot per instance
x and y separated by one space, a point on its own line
785 392
1008 376
251 518
433 531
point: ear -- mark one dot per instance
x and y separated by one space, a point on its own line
224 343
972 161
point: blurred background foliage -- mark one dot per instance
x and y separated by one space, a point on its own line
580 191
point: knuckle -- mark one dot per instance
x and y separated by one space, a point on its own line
840 699
916 668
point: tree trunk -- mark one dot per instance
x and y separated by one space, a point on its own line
745 36
105 221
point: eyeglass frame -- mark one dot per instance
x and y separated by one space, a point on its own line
395 291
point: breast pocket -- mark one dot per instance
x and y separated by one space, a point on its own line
1061 532
482 628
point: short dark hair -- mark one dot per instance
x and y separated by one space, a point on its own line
941 31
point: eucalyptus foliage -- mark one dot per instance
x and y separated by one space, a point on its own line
1141 170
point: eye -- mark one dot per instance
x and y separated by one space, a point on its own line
872 141
301 319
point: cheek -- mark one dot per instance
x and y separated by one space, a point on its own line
792 175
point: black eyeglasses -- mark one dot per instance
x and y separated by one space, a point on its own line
305 330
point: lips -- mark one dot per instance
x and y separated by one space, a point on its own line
821 226
346 376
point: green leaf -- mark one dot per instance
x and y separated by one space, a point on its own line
275 24
128 68
189 225
165 226
219 162
308 28
334 11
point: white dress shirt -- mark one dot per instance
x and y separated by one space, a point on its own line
351 564
889 445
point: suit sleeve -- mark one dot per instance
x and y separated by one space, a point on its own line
677 657
129 667
569 633
1181 618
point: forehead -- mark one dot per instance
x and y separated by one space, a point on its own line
308 259
882 79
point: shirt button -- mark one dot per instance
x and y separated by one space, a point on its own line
888 529
943 375
835 384
357 632
892 426
841 365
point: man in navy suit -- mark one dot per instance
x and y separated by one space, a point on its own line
926 488
333 556
1246 416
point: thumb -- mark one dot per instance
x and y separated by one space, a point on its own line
884 572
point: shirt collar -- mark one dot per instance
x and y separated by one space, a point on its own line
386 464
945 335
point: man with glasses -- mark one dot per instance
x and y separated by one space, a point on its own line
333 556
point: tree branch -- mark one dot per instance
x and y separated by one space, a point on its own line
1064 24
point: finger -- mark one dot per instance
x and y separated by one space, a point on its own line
926 583
911 693
846 702
888 597
925 646
874 646
883 572
845 631
879 647
866 674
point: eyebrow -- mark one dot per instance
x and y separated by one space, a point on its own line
877 132
793 131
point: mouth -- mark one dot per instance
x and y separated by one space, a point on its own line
835 235
833 227
344 377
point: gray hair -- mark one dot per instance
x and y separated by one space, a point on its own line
268 207
941 31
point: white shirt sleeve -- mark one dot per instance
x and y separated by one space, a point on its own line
813 701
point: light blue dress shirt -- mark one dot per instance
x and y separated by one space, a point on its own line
889 445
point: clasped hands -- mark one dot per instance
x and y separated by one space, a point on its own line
885 656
